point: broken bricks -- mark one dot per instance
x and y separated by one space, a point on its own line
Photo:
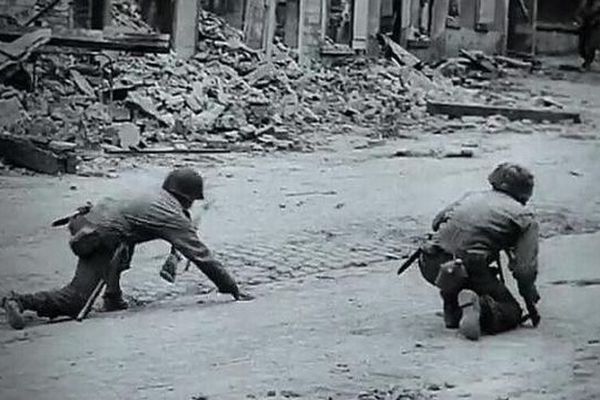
22 152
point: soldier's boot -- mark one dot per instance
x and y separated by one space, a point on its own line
469 326
14 312
452 311
114 302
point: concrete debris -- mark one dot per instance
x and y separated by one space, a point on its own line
127 135
228 98
23 152
82 83
20 49
10 110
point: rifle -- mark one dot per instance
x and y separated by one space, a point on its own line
411 259
66 219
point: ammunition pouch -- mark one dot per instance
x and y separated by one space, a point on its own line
452 276
85 241
432 256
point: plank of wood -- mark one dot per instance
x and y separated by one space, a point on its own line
513 62
483 63
399 53
98 40
165 150
21 47
457 110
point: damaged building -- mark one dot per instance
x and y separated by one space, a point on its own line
329 28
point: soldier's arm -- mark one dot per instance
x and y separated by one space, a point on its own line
183 237
524 262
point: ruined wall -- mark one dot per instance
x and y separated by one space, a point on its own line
231 10
556 33
310 30
469 37
557 14
89 14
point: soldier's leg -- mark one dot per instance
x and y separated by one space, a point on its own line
429 263
113 295
500 311
488 307
66 301
452 310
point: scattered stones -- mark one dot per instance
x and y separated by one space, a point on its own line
289 394
10 111
434 387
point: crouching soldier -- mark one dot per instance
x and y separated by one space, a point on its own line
104 237
468 238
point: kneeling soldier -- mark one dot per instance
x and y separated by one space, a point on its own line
469 236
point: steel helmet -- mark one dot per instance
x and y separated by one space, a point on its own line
185 182
513 180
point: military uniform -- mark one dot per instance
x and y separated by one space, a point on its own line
104 240
588 15
475 229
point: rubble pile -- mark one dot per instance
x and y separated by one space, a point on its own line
127 15
226 98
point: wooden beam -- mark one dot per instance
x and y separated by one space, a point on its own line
165 150
457 110
98 40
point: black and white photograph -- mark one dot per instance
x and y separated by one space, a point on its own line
299 199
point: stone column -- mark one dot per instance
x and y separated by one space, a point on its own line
184 36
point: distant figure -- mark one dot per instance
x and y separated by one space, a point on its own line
588 16
469 236
104 237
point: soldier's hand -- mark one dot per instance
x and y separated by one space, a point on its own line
533 314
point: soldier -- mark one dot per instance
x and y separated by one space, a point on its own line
104 237
469 236
588 16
